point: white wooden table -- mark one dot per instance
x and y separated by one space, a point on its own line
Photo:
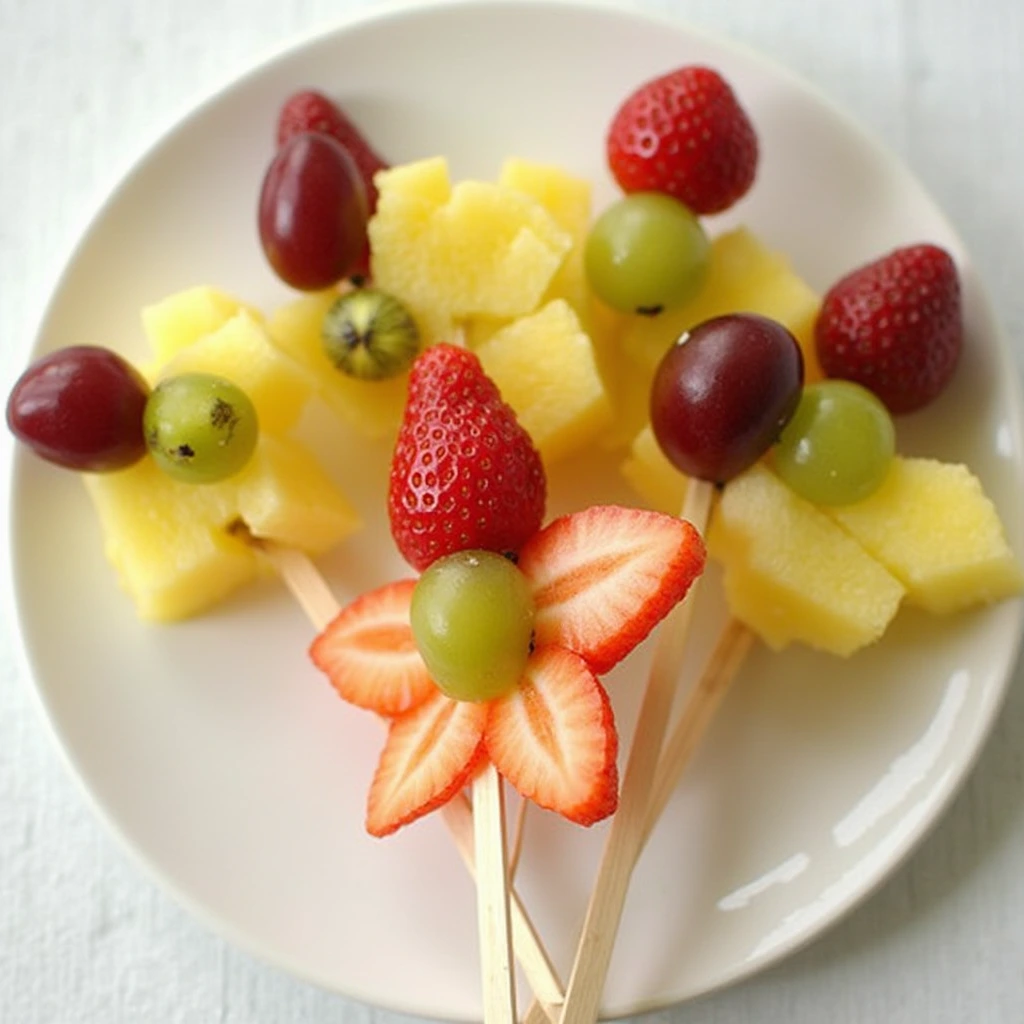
84 938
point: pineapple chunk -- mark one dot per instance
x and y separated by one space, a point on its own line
568 200
166 540
242 350
169 541
484 249
792 574
373 408
544 367
178 320
932 526
288 497
744 276
652 476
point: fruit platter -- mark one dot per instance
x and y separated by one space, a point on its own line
607 481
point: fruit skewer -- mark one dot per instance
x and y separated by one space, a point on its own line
477 829
313 594
720 396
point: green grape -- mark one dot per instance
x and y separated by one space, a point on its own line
370 335
200 428
645 253
472 617
837 448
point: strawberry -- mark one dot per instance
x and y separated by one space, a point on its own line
684 134
554 738
603 578
895 325
369 654
464 474
431 752
311 111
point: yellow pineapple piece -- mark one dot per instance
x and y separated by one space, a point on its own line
652 476
374 408
544 366
744 276
166 540
170 541
933 527
242 350
568 199
485 250
287 496
792 574
178 320
421 185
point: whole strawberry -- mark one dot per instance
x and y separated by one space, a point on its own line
464 474
895 326
684 134
311 111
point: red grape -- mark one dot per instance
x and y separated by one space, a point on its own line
313 212
80 407
723 393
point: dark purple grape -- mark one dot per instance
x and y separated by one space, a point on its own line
723 393
313 212
80 407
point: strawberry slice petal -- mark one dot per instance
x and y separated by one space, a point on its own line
431 752
554 737
603 578
369 654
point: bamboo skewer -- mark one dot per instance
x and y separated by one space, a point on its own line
515 846
508 919
734 642
494 926
629 825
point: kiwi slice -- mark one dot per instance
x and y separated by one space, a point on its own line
369 334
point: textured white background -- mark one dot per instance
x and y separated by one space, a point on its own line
84 937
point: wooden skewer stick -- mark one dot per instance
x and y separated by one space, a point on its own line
728 655
515 846
628 827
494 926
316 599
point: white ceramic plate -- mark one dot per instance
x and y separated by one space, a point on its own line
225 763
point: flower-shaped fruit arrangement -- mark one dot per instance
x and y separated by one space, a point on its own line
494 652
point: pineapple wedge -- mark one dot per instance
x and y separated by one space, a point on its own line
744 276
792 574
544 367
932 526
242 349
453 253
180 319
568 200
652 476
170 543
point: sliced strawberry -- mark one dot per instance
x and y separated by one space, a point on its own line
603 578
430 754
554 737
369 653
